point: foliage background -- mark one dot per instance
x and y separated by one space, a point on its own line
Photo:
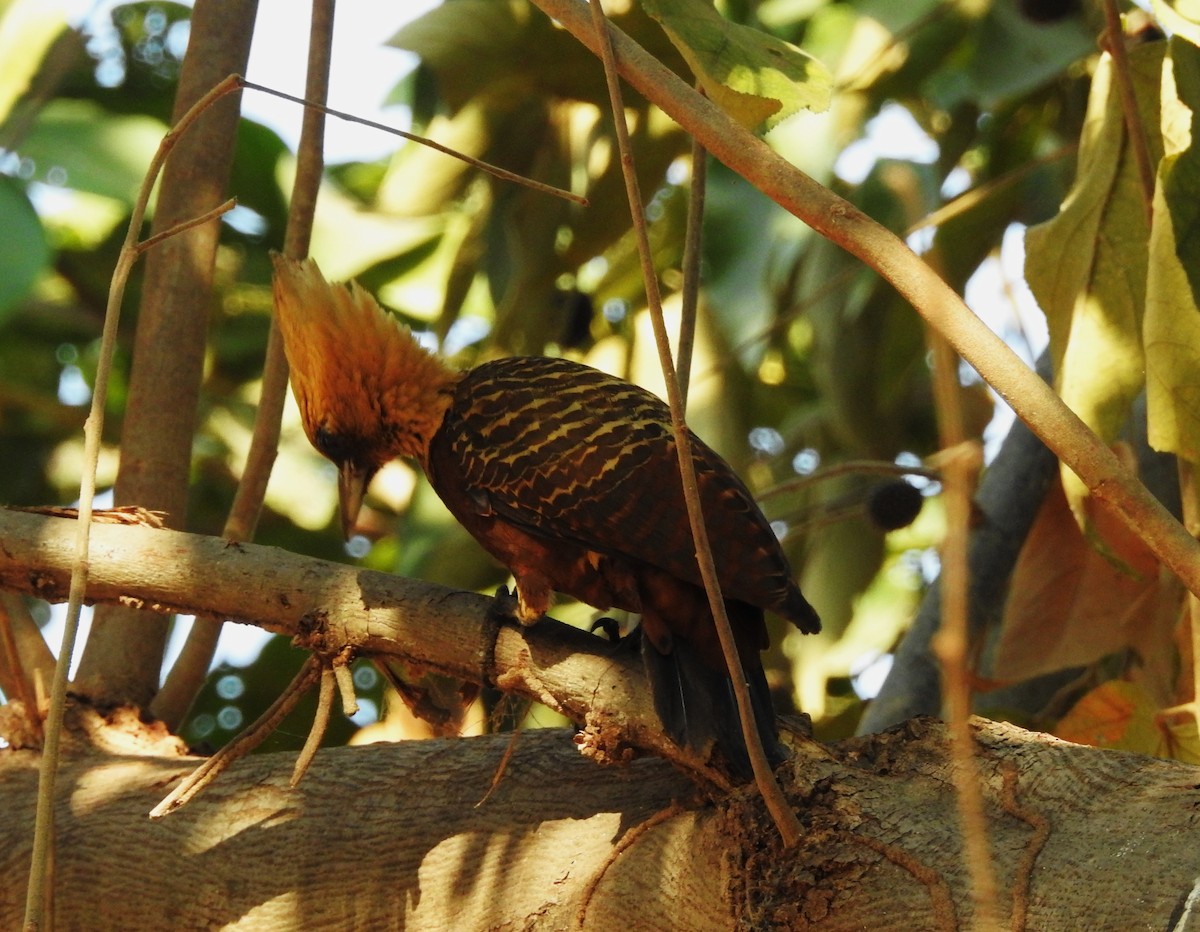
804 358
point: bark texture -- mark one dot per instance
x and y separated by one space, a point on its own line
407 836
330 607
123 656
403 837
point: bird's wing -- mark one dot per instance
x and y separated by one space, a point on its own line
568 452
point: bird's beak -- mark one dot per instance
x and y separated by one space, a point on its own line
352 486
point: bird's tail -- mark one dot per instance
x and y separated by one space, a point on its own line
697 705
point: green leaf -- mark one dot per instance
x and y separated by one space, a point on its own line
1172 329
477 47
1034 54
78 144
1181 179
755 77
26 252
28 29
1087 266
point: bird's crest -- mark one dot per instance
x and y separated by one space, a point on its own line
360 378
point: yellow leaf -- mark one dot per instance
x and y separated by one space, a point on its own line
755 77
1087 266
1115 715
1172 326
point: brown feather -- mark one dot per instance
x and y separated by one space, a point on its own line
578 457
360 379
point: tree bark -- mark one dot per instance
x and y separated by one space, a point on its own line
123 657
402 836
330 607
408 836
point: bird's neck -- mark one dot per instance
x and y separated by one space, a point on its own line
418 389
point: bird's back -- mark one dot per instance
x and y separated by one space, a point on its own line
565 451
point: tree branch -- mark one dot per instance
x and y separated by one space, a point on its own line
843 223
328 606
122 660
562 843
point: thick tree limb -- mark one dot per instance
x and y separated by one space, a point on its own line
390 835
331 605
395 836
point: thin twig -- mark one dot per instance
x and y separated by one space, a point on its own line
693 242
151 241
243 744
961 459
777 804
320 724
191 667
850 467
1114 42
494 170
37 893
951 644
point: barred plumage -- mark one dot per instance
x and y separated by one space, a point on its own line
566 475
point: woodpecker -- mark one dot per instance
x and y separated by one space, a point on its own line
564 474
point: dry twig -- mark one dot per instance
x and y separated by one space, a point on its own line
777 804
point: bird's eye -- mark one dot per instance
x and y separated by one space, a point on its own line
336 447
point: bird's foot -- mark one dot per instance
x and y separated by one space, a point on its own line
610 628
516 606
505 606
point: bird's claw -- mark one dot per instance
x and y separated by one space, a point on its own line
505 606
609 626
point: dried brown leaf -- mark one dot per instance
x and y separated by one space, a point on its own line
1074 600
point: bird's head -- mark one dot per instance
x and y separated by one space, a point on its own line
367 391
